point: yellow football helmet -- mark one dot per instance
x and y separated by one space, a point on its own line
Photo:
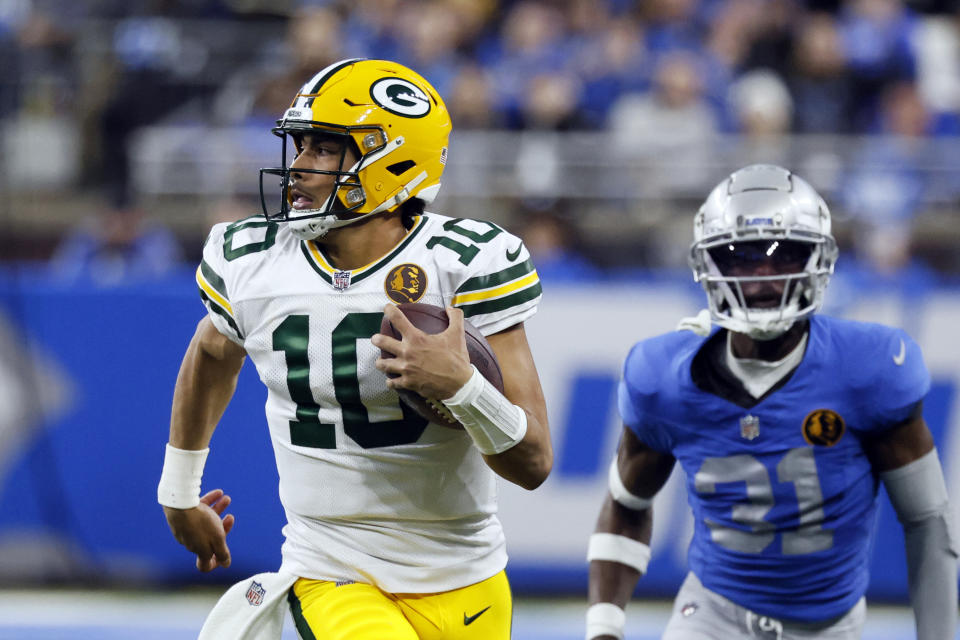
398 124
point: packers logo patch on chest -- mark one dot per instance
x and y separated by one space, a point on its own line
405 283
823 427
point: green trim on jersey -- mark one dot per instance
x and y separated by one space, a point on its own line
493 292
216 308
253 222
499 304
496 279
214 280
310 260
326 269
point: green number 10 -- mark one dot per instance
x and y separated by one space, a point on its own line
292 337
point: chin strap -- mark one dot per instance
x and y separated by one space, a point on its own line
402 196
700 324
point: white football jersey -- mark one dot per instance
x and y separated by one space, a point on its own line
372 492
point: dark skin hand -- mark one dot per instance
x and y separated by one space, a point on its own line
437 366
433 365
202 531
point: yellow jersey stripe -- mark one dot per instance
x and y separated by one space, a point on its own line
502 290
213 293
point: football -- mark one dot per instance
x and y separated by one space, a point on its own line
433 319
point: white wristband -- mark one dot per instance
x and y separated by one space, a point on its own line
494 423
620 492
616 548
605 619
179 486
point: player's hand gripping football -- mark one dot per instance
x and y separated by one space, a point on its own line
202 531
433 365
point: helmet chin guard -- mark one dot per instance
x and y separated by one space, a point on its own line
768 204
317 226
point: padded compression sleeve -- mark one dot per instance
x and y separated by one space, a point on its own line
919 496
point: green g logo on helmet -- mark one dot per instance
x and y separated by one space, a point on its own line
400 97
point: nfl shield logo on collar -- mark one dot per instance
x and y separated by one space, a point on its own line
341 280
749 427
255 593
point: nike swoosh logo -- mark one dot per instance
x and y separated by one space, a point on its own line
900 357
467 620
512 255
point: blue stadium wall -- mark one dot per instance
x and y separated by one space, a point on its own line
87 375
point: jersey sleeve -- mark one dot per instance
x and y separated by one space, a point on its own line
636 398
214 292
901 378
498 287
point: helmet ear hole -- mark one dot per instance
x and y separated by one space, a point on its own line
400 168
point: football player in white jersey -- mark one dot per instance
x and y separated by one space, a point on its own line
391 521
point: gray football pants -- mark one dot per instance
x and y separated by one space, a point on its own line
701 614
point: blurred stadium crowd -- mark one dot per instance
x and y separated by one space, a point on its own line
594 127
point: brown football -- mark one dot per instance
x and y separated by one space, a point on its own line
433 319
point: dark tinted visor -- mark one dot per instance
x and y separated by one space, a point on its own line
786 256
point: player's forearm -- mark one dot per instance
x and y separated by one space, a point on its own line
203 390
528 463
611 582
618 553
523 454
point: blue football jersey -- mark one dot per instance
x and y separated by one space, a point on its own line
784 499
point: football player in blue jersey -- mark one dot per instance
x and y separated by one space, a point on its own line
785 423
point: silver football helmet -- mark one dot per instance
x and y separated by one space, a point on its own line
762 213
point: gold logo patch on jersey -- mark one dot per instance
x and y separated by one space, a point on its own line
823 427
405 283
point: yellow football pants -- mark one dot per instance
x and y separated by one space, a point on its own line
324 611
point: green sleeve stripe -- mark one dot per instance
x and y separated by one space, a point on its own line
222 312
215 280
496 279
512 300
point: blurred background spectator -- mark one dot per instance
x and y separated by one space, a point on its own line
553 244
818 77
116 245
629 110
